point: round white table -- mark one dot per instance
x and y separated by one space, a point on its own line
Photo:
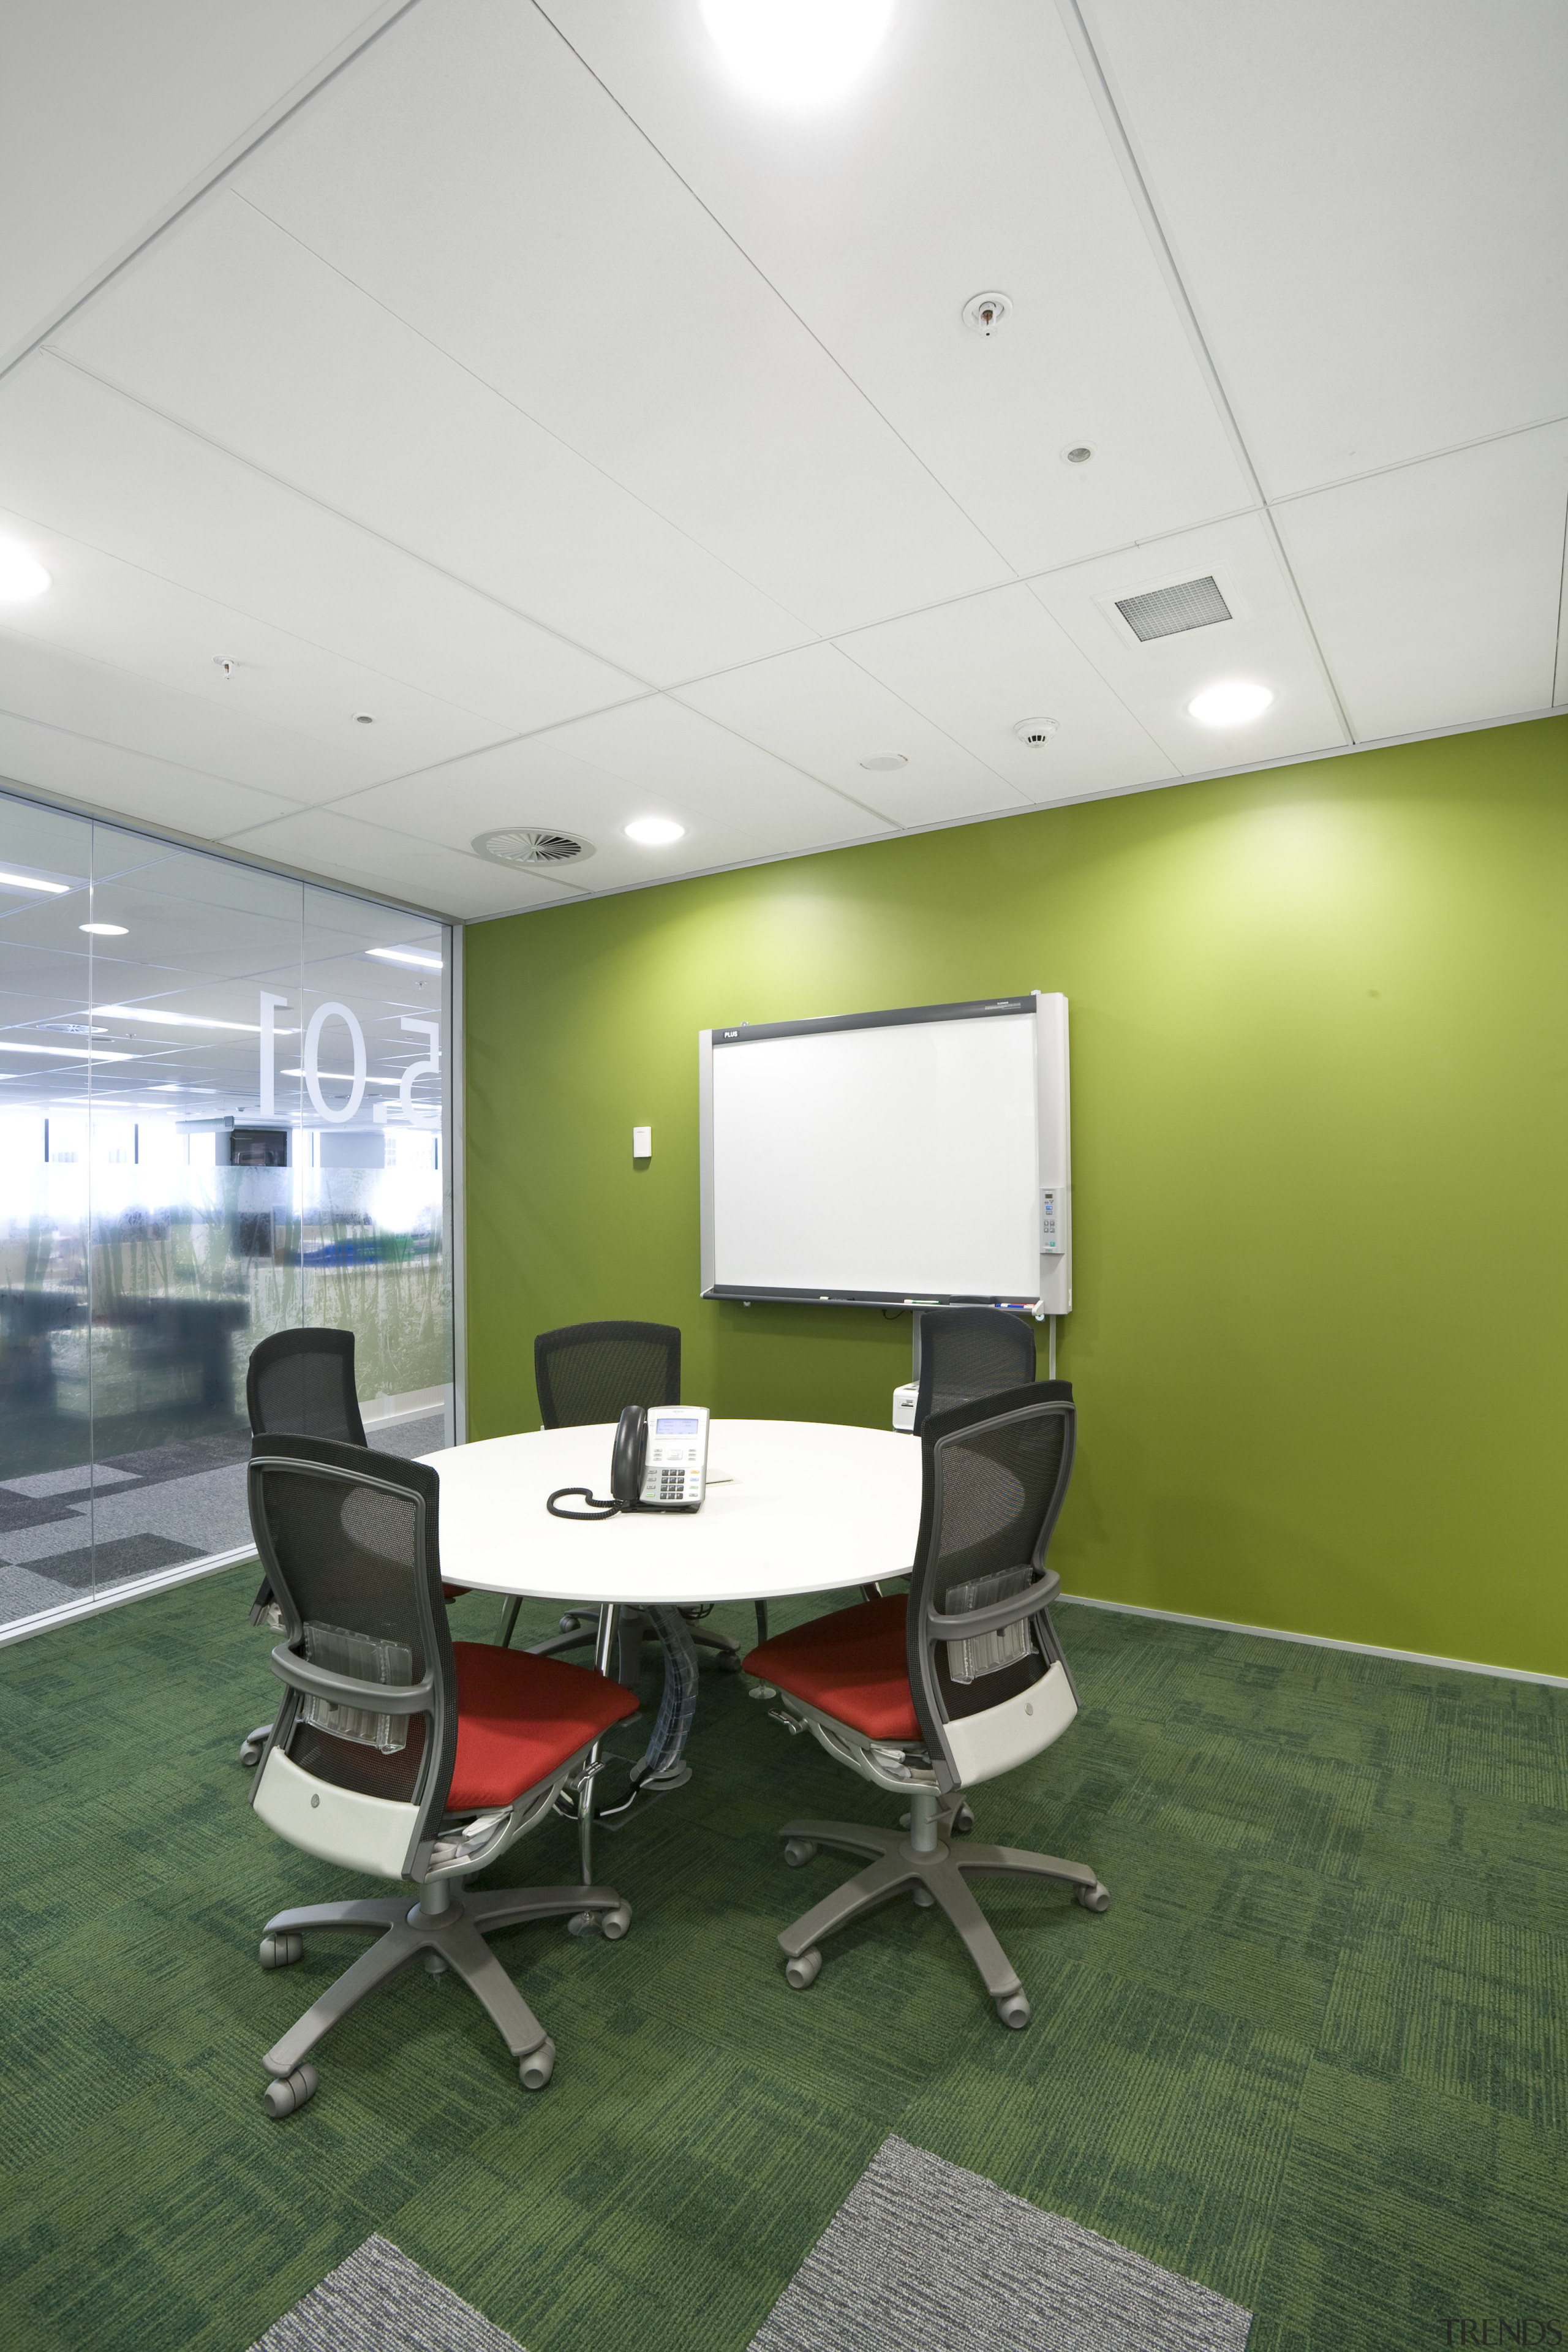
792 1507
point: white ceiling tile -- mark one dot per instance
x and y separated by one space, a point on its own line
969 158
136 787
109 114
1265 641
1434 588
135 713
827 715
159 640
235 328
1366 204
80 459
976 668
367 858
651 759
473 176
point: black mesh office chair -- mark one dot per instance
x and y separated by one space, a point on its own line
300 1383
929 1695
970 1352
400 1753
588 1373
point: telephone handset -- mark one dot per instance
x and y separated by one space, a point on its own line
658 1463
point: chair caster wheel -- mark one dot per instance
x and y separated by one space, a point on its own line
798 1851
729 1662
281 1952
612 1925
251 1749
803 1970
535 2070
762 1690
1013 2010
569 1624
962 1821
1095 1898
290 2091
584 1923
923 1897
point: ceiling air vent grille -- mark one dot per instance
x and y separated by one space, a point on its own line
1166 612
534 844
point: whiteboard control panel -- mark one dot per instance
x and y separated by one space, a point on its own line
1053 1240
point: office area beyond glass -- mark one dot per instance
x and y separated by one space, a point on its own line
221 1114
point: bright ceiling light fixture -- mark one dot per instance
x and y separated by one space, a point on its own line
1232 704
21 575
797 52
65 1053
31 882
103 931
185 1020
654 831
408 956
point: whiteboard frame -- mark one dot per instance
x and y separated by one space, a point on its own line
1053 1112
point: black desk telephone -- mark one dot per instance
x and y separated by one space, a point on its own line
662 1467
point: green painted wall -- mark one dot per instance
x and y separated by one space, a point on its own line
1320 1040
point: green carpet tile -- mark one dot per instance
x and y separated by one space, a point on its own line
1315 2054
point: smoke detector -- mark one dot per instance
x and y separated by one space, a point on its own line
984 312
533 844
882 763
1035 730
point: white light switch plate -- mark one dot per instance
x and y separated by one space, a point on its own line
642 1144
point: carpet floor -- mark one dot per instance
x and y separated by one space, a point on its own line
1315 2056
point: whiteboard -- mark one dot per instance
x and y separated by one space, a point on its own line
887 1157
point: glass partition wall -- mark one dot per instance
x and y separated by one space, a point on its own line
221 1114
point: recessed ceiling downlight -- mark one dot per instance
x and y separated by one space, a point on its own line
103 931
797 52
654 831
1233 703
21 575
533 844
882 763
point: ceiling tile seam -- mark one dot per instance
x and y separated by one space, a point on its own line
779 296
1097 81
368 530
1560 662
558 726
207 843
1067 800
221 605
135 751
284 111
1422 457
474 376
374 824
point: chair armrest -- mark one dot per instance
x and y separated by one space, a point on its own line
376 1698
1027 1604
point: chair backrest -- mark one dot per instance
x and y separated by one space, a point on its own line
990 1683
588 1373
359 1764
302 1383
970 1352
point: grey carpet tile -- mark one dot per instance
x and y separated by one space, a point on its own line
24 1592
923 2256
182 1457
18 1512
426 1433
379 2301
43 1484
208 1510
96 1565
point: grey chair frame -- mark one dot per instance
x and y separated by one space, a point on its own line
921 1857
448 1927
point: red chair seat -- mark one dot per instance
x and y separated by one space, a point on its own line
850 1665
518 1718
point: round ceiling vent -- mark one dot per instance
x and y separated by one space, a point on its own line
1035 730
534 844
